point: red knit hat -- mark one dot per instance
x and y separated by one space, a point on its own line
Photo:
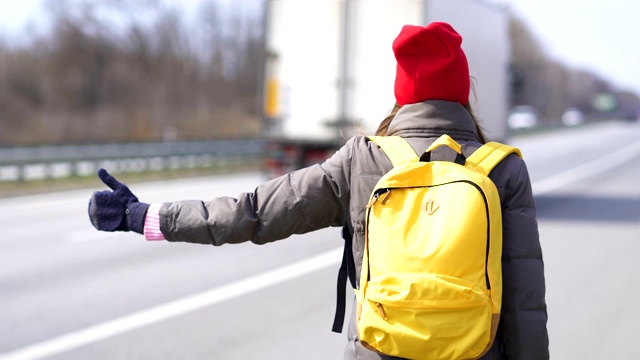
431 65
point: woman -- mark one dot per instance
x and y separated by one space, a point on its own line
432 93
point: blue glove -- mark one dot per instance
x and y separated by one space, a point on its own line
117 210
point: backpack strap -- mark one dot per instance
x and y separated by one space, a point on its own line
396 148
347 271
399 152
489 155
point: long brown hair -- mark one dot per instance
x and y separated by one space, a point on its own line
384 125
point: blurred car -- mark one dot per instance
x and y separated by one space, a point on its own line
522 117
630 115
572 116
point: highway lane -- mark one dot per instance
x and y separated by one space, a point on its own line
59 276
588 204
61 254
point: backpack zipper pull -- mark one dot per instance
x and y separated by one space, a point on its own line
376 196
383 313
386 196
373 200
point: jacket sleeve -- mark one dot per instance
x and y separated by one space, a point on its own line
301 201
524 312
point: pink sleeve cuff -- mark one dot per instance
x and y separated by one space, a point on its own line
152 223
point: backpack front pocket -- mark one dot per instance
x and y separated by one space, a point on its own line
431 316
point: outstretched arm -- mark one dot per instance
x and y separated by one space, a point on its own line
301 201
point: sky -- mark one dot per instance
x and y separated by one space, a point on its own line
602 36
598 35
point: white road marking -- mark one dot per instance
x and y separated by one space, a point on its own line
175 308
588 169
194 302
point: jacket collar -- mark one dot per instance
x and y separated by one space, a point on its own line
433 118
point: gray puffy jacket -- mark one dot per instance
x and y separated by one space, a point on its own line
335 193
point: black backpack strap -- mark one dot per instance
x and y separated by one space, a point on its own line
347 271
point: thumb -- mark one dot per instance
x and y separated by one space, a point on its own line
109 180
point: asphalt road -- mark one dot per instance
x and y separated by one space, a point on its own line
70 292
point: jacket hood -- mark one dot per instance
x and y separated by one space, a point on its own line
434 118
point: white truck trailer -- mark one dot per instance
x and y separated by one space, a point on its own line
330 69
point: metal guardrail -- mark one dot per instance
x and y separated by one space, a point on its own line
25 163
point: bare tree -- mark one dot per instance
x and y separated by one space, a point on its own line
125 71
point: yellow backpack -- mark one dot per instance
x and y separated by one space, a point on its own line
431 279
